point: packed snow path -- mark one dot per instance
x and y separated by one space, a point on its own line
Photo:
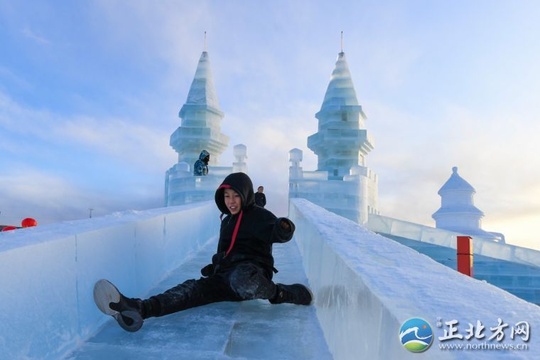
247 330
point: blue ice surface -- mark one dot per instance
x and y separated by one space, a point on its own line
252 329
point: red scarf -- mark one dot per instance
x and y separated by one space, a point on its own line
235 232
236 227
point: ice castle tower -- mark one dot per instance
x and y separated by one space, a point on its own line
200 129
458 212
342 183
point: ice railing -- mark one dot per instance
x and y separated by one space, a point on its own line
386 225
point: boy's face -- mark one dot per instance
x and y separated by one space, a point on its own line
233 201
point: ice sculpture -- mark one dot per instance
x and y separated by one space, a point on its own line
342 183
200 130
458 213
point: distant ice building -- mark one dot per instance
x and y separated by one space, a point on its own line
342 183
458 213
200 130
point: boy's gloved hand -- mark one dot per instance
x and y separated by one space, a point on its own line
207 270
284 229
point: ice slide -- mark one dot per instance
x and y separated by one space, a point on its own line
365 287
250 330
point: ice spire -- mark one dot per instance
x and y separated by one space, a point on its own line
200 130
342 183
201 119
341 141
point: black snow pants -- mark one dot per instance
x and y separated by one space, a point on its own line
245 281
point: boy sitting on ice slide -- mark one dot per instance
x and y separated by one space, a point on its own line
241 269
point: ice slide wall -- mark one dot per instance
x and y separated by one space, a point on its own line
47 273
366 286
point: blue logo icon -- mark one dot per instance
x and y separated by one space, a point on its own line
416 335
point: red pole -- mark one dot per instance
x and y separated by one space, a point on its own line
465 255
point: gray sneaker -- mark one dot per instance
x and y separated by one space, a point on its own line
126 311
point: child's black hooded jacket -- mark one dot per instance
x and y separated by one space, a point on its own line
257 230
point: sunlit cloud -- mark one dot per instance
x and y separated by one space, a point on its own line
27 32
113 137
129 142
22 189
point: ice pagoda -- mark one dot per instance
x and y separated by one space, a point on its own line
200 129
342 182
458 212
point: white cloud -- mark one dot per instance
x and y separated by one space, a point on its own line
123 139
126 141
27 192
27 32
49 198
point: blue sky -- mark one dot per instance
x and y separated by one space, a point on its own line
90 92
